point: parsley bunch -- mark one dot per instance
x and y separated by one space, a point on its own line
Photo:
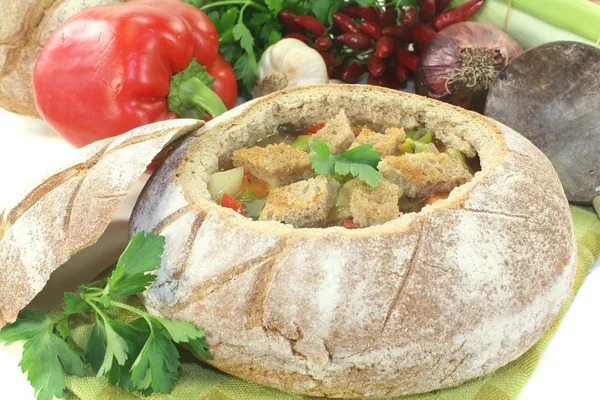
137 356
360 162
247 28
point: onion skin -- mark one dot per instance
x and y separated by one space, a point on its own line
441 68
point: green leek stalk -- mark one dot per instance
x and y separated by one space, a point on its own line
528 30
581 17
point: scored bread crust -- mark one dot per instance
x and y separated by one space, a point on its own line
423 302
70 208
25 27
426 301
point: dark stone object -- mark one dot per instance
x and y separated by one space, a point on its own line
551 95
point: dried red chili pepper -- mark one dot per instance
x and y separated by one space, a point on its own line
386 80
323 43
311 24
407 58
371 29
375 80
385 46
400 33
299 36
355 41
327 57
352 72
441 5
388 18
287 18
376 65
400 73
458 14
345 23
423 33
418 47
352 10
409 17
370 14
427 11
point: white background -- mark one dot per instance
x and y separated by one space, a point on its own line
28 148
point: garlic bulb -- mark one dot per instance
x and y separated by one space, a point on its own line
289 63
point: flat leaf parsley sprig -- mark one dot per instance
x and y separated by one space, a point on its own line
137 356
360 162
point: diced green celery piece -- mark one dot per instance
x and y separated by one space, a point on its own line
460 158
412 133
408 146
302 142
341 209
426 135
341 179
247 196
254 207
425 148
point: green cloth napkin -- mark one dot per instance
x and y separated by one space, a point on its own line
201 382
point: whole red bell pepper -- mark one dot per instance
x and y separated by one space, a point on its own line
112 68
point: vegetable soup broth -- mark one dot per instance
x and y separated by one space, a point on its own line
423 140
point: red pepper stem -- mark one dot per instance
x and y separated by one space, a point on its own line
195 96
191 96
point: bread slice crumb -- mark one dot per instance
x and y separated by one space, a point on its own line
370 206
337 133
276 164
386 144
422 174
302 204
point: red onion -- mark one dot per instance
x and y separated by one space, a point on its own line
460 63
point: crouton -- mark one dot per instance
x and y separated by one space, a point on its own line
302 204
422 174
337 133
386 144
276 164
374 206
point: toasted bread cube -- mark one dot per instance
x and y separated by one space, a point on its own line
386 144
276 164
302 204
370 206
422 174
337 133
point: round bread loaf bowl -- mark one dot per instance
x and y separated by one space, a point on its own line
423 302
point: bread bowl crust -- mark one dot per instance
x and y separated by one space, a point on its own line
423 302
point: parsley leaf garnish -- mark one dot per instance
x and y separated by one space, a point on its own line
360 162
44 358
137 356
156 365
132 274
45 354
324 9
274 5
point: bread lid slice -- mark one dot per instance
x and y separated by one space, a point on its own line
70 208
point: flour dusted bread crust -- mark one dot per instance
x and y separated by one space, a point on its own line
426 301
24 28
69 209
